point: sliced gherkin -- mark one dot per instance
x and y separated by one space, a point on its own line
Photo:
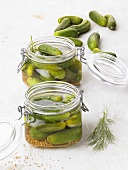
68 98
32 81
30 70
74 120
58 73
56 98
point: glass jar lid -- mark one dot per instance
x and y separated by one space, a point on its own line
108 68
10 136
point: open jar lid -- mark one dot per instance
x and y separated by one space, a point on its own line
108 68
10 136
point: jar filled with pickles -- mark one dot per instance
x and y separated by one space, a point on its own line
52 114
50 59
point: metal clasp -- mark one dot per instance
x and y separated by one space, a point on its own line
24 59
80 51
83 106
20 109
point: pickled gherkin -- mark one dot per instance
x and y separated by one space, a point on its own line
47 49
51 127
35 134
74 120
31 81
58 73
65 136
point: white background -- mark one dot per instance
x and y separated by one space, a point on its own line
19 19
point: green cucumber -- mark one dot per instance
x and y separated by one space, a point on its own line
44 66
30 70
76 41
82 27
74 120
51 118
73 19
58 73
65 136
55 98
51 127
69 74
32 81
97 50
98 18
68 32
93 40
67 64
78 76
64 24
111 22
48 49
76 66
35 134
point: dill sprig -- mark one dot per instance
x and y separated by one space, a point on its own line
102 135
33 49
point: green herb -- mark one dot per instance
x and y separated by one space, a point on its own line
33 49
102 135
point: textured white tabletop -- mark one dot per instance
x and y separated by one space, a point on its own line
19 19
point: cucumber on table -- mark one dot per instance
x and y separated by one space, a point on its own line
93 41
64 24
73 19
98 18
111 22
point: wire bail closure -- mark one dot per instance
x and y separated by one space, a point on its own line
20 109
24 59
80 51
83 106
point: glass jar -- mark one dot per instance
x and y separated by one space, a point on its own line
53 116
39 67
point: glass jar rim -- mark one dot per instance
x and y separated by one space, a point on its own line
52 59
32 107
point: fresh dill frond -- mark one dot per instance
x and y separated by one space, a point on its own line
102 135
33 48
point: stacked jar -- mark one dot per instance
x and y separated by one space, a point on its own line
52 108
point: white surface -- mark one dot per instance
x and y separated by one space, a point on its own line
21 19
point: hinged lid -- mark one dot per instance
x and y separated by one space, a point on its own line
108 68
10 136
